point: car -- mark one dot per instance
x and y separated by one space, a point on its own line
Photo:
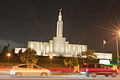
94 69
23 70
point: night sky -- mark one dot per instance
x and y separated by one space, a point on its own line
84 21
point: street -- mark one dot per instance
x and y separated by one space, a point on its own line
4 75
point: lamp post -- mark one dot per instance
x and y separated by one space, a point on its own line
8 55
118 35
50 60
117 48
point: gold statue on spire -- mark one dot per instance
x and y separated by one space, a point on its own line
60 10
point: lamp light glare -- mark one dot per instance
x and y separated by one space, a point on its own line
51 57
9 54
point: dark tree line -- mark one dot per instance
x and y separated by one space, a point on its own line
5 51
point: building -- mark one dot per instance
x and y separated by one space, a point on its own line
59 46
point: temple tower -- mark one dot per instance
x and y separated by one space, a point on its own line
59 40
59 32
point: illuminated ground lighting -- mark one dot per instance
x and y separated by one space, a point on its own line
8 54
51 57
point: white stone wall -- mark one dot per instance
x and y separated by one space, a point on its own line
51 46
34 45
18 49
58 46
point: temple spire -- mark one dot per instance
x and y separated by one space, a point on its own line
60 25
60 15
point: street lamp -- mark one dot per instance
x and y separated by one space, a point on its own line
50 60
117 48
8 55
51 57
118 35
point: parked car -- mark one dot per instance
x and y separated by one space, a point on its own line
99 69
23 70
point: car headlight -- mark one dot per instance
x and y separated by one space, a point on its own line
48 71
11 72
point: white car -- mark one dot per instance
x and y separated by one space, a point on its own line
22 70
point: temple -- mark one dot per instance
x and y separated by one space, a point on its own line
58 46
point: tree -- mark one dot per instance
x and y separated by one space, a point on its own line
14 57
5 50
29 57
3 54
20 52
71 61
89 55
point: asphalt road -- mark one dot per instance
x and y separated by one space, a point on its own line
4 75
60 77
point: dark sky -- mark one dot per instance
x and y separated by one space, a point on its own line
84 21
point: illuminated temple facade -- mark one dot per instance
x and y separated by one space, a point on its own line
56 47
